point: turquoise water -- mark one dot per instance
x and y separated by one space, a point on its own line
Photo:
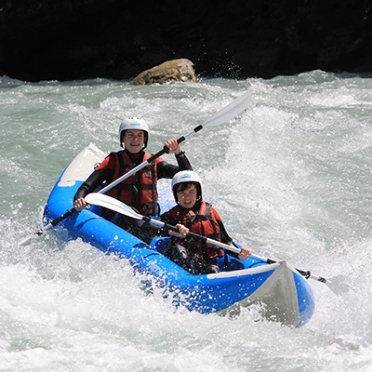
291 178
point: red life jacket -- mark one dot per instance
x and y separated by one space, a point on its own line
203 222
138 190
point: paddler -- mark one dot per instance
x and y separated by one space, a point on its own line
193 214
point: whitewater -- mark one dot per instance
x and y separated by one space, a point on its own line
290 177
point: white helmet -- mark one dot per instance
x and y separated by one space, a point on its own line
134 123
185 177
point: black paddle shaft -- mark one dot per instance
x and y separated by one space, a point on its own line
69 213
304 273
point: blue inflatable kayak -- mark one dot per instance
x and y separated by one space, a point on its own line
283 293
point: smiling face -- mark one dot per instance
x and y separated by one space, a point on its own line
134 140
188 196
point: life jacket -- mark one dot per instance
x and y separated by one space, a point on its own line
203 222
138 190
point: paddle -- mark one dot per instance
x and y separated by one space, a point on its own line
69 213
227 113
337 284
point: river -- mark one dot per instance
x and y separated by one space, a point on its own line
290 177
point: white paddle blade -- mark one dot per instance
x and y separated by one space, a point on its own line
108 202
230 111
338 284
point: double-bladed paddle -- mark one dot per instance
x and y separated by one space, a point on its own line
337 284
227 113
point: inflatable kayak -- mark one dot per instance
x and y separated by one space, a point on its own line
281 292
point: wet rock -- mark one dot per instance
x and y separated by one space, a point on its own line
168 72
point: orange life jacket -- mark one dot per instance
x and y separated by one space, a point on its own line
138 190
203 222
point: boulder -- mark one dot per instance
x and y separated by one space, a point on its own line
168 72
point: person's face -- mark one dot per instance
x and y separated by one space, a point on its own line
134 140
187 198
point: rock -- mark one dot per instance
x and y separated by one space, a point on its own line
168 72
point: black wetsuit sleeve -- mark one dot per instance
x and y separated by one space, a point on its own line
92 182
225 238
167 170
